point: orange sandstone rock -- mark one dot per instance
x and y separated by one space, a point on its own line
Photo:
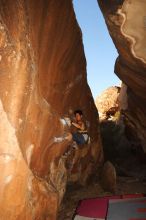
126 21
42 80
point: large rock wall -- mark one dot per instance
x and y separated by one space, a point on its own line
42 79
126 21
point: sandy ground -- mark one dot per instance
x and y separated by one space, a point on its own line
125 185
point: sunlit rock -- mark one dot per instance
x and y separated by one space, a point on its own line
42 81
107 103
126 21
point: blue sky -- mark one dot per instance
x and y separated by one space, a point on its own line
99 49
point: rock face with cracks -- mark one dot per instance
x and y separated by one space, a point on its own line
42 80
126 21
107 102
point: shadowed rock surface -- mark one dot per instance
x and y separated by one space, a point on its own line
42 80
108 177
126 23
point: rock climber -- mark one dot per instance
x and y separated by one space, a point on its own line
79 129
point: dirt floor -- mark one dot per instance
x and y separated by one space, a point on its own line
129 161
125 185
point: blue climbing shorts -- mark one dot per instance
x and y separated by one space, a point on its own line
78 138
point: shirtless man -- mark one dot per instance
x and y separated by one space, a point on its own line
79 131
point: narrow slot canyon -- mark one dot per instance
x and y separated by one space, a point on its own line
43 80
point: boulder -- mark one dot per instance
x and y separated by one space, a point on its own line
126 22
107 103
108 177
42 80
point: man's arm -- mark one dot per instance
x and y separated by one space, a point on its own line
82 126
